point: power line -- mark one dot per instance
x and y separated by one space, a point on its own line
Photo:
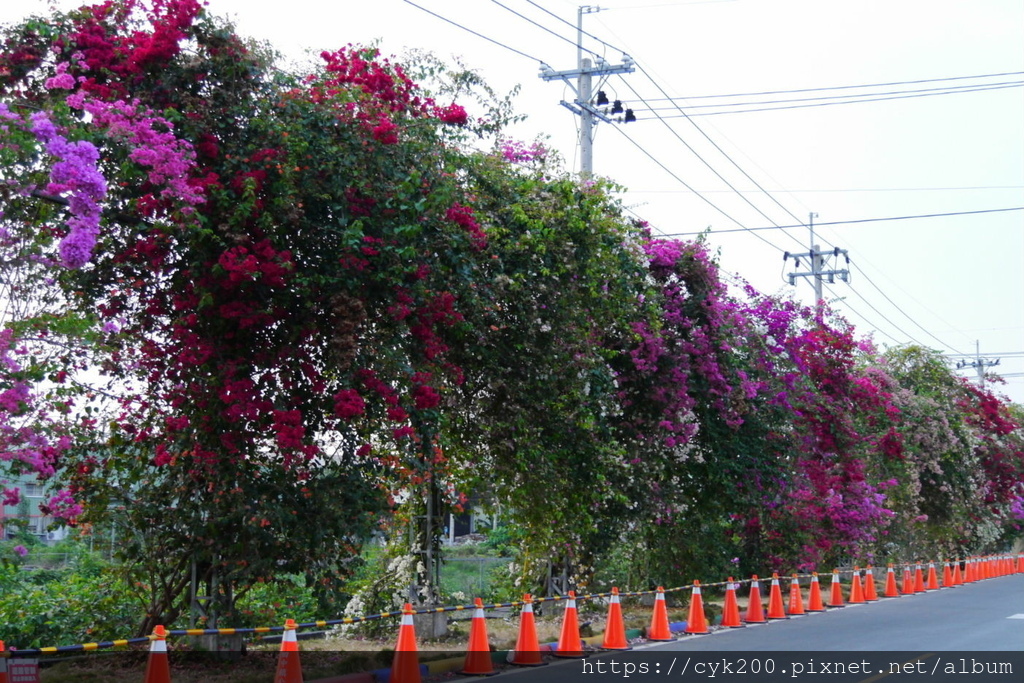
883 316
701 158
469 30
950 326
542 27
857 313
858 189
1011 354
575 28
863 220
684 184
905 314
942 91
828 104
849 87
723 153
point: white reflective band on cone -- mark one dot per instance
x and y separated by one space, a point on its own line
406 620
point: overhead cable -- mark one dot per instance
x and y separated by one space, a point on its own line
847 87
830 104
475 33
861 220
942 91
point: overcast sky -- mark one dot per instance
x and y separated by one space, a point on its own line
945 282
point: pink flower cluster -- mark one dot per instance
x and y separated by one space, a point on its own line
170 160
518 153
349 404
453 114
463 216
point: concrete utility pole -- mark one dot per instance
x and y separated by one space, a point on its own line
817 260
980 364
583 105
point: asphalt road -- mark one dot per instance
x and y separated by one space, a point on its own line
969 633
976 616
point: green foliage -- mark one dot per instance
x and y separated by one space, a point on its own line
270 604
84 601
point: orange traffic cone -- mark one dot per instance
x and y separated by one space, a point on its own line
659 629
696 623
908 581
527 652
3 663
796 598
158 669
289 669
890 584
569 643
870 592
755 612
933 579
814 603
731 610
405 667
478 652
1020 563
856 590
615 629
837 591
918 579
775 608
947 575
958 577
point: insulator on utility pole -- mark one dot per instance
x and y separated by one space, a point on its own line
819 260
589 112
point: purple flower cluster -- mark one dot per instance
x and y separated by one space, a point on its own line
77 174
